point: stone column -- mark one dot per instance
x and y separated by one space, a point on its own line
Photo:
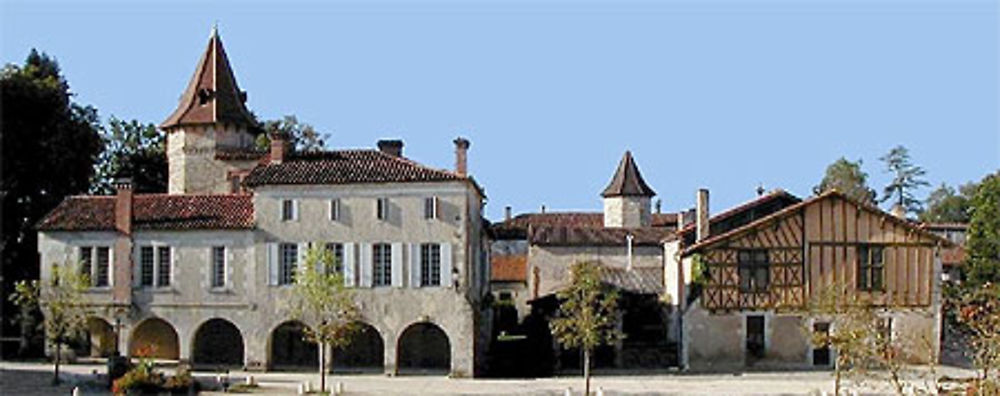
619 345
390 354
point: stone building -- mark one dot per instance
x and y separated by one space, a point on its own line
200 274
626 239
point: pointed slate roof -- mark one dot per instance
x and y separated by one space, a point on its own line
212 96
628 181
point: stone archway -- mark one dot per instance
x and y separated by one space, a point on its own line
154 338
424 347
366 352
217 342
289 350
98 339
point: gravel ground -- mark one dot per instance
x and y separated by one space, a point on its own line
18 378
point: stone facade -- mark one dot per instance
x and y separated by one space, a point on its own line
627 211
193 167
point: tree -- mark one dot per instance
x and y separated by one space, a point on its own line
133 149
851 332
848 178
587 316
48 146
906 178
983 243
979 319
303 136
944 205
60 302
320 299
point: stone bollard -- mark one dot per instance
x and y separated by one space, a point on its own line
76 391
339 388
600 391
569 392
250 380
302 389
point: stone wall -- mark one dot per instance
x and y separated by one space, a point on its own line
553 262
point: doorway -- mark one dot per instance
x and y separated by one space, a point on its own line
755 337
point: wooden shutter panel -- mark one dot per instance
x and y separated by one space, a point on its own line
295 209
414 265
136 266
365 265
272 264
446 265
397 264
350 265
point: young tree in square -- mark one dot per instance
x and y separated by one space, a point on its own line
60 300
587 316
320 299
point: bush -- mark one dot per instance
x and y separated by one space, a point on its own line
144 379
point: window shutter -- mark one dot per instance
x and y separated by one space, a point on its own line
365 265
350 267
111 267
295 210
445 265
272 264
171 271
414 265
302 249
397 264
136 266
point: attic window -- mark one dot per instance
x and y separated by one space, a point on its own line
204 95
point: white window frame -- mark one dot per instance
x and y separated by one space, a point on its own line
156 265
382 209
281 267
213 270
335 209
435 207
295 210
386 278
93 264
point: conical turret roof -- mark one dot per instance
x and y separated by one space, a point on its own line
212 96
628 181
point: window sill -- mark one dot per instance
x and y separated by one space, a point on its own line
158 289
221 290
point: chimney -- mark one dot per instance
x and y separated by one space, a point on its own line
543 209
659 206
899 211
123 204
461 156
506 213
701 215
121 292
391 147
280 147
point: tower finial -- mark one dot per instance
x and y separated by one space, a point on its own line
215 29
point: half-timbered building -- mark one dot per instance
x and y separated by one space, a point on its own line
760 278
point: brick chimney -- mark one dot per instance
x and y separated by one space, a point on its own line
506 213
701 215
280 147
123 205
391 147
122 266
462 156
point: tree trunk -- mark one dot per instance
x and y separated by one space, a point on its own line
322 367
586 372
55 377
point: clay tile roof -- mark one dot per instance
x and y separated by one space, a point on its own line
627 180
509 268
154 212
641 280
246 154
517 227
569 236
344 167
212 95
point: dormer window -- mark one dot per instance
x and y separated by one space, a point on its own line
204 95
382 209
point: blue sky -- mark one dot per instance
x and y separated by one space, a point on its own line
708 93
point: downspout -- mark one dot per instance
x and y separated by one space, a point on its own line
628 243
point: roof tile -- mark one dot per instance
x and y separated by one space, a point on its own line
154 212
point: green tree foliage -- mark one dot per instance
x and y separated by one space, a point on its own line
979 317
945 205
588 314
907 177
983 243
320 299
134 149
59 299
48 146
304 137
848 178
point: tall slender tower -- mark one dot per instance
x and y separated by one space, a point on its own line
210 136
